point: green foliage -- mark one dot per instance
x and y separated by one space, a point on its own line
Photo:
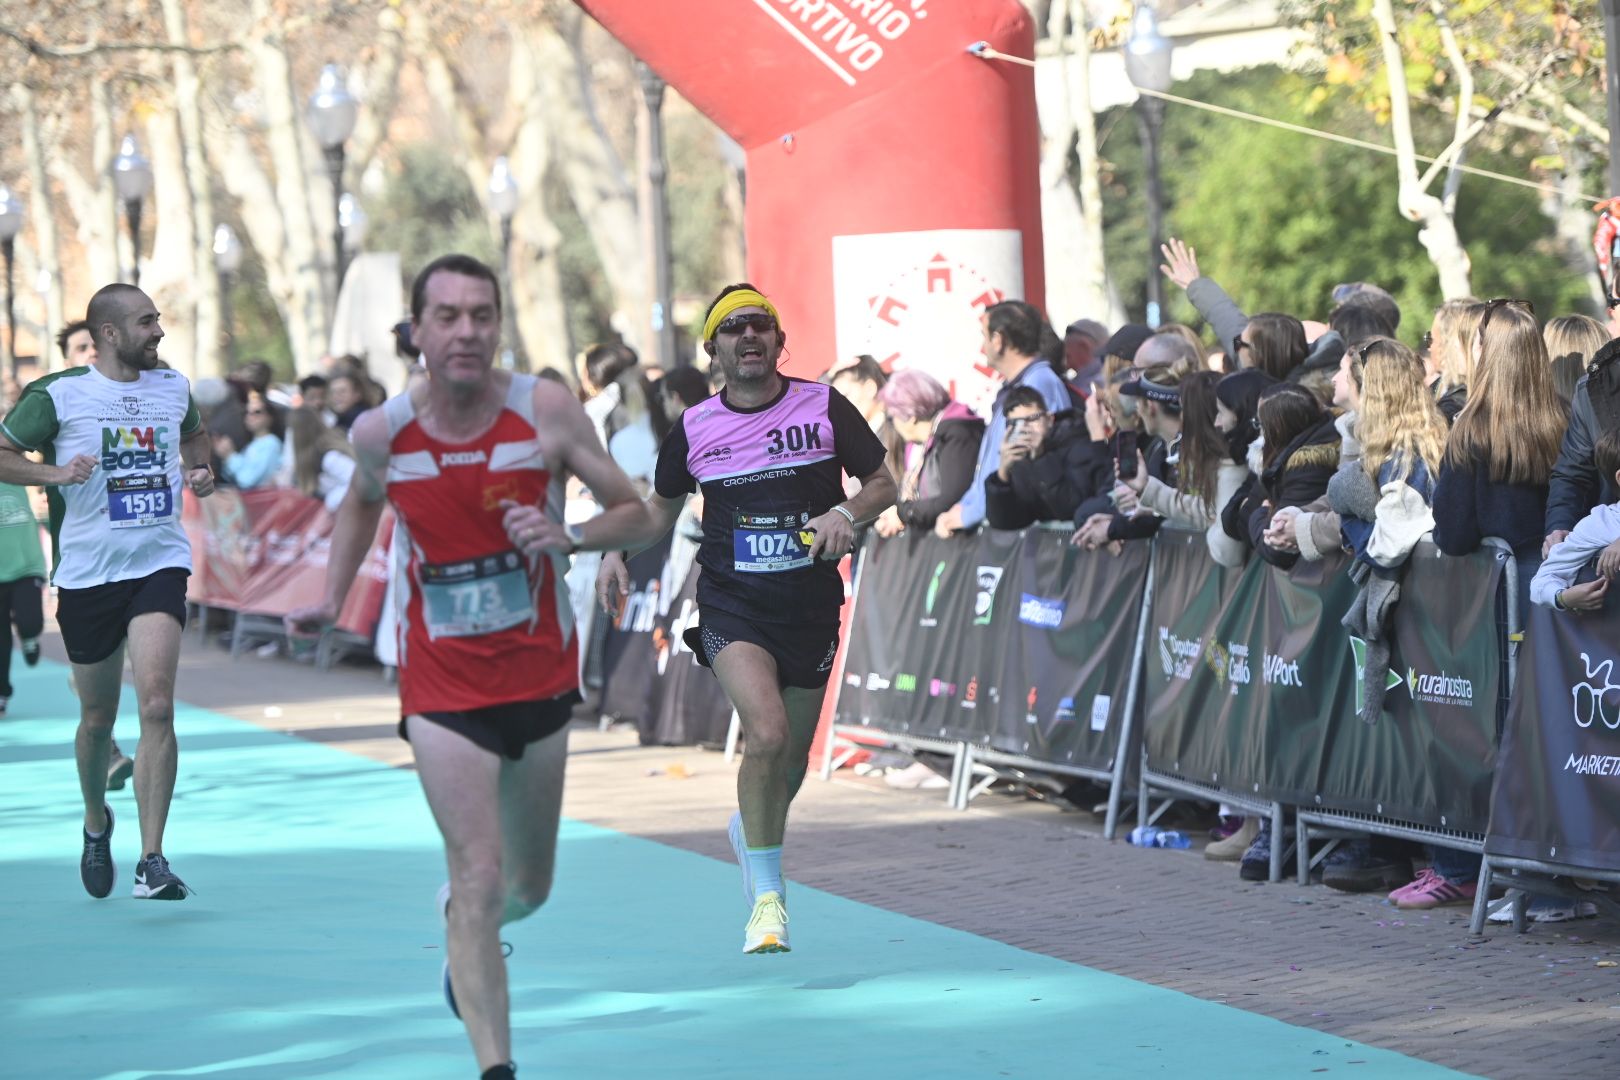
427 209
1279 218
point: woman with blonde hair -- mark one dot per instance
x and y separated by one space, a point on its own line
1572 341
1451 353
322 458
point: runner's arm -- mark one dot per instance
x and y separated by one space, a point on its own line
877 494
17 469
356 524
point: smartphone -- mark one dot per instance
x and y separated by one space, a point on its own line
1125 447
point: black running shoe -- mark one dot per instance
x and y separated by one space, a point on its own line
30 651
96 867
155 881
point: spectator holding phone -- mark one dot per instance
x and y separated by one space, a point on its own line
1048 465
1190 503
1159 392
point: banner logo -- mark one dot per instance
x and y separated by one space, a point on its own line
1281 672
1178 656
984 604
1358 651
940 688
1593 702
1029 717
970 699
1039 611
874 681
905 684
932 597
1441 689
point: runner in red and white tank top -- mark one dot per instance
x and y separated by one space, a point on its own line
481 623
474 462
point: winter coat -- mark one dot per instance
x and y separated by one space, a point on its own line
1382 523
1295 477
1469 506
1071 468
948 460
1317 530
1219 310
1576 486
1451 403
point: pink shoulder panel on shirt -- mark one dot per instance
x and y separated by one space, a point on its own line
796 430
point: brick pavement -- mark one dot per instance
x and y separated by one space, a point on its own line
1031 876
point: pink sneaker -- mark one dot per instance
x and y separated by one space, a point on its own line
1416 883
1436 892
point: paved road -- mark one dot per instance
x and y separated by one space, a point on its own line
1030 876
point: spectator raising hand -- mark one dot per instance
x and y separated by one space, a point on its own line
1180 262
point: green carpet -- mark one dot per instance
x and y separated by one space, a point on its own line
311 948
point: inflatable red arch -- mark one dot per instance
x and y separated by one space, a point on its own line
893 178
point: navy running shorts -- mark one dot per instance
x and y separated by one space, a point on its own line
506 730
95 621
803 652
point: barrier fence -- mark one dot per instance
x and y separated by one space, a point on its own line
1161 672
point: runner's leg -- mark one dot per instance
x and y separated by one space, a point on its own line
99 686
747 673
154 654
462 782
8 590
531 808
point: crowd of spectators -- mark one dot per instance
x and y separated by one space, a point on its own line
1288 440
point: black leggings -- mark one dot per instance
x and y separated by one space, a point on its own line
21 602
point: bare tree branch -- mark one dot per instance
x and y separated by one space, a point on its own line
90 48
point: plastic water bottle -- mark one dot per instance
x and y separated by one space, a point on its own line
1170 838
1144 836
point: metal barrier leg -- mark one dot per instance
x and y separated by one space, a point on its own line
1142 791
731 736
1521 912
1127 727
961 777
1278 825
1482 898
1302 849
827 748
236 635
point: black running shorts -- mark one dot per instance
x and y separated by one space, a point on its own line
506 729
95 621
803 652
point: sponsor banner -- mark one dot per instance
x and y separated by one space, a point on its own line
264 552
628 662
684 703
1012 640
1557 794
1252 684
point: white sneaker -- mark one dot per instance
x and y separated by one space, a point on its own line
917 777
1548 909
767 927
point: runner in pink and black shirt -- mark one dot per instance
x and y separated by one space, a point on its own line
769 455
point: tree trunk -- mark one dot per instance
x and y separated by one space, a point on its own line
536 285
43 216
1108 308
1438 233
209 331
597 181
306 267
168 274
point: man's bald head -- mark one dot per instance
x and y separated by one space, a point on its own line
124 323
1167 350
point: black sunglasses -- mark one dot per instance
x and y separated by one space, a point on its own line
1501 302
736 324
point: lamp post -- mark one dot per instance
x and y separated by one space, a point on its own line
227 261
332 113
132 176
655 200
11 221
1147 62
503 200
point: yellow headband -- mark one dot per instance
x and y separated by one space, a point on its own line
731 302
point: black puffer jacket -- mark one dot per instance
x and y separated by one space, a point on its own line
1296 477
1071 469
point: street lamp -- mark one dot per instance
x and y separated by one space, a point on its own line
227 261
354 222
11 222
655 196
132 176
1147 62
332 113
503 199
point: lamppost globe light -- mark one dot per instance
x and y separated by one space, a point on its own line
353 220
43 281
503 189
227 250
132 173
332 109
11 214
1147 52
